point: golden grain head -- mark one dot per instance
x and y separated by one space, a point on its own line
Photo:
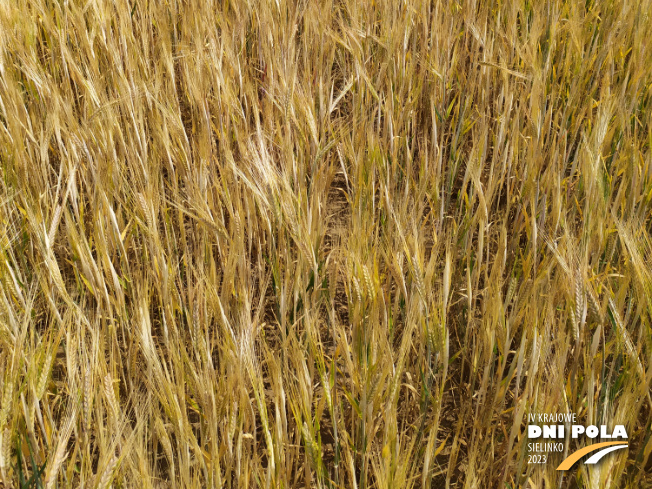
321 244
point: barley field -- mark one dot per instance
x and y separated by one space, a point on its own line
322 243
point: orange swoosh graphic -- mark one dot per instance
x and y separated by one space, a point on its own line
574 457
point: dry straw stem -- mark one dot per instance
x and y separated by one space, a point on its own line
322 243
